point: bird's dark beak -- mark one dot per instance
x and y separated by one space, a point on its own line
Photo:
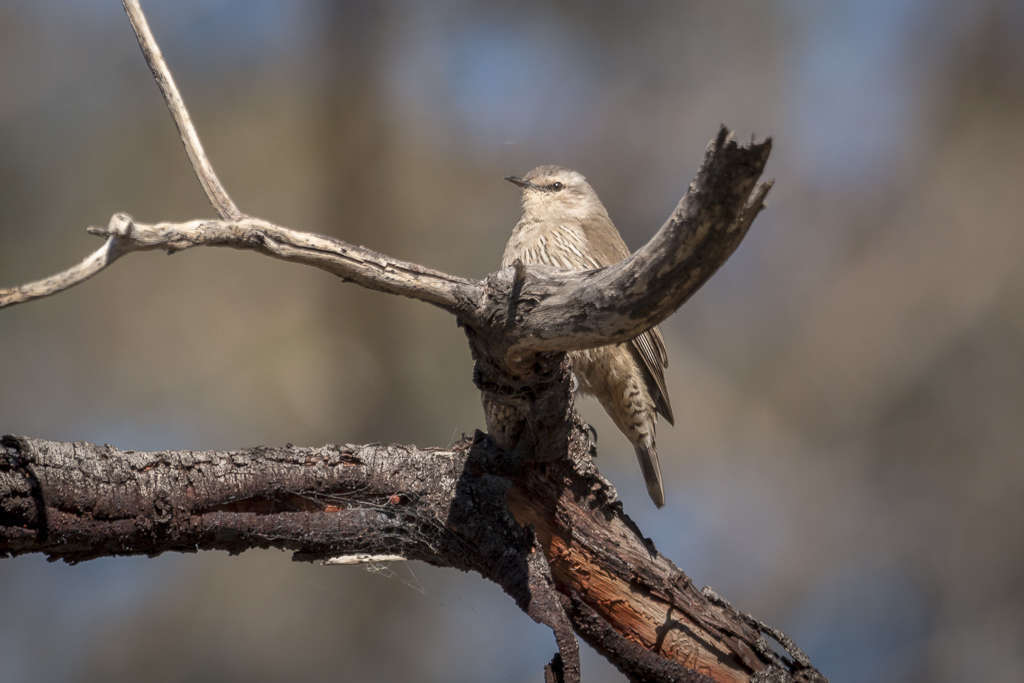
516 180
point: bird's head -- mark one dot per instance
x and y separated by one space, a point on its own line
552 192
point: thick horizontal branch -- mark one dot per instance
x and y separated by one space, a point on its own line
76 501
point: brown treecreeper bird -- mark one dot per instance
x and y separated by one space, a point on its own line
565 225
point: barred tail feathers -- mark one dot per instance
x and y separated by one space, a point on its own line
647 456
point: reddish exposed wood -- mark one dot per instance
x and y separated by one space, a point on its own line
595 553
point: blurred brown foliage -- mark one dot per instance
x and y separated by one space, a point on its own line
846 461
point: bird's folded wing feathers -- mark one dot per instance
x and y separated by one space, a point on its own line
649 349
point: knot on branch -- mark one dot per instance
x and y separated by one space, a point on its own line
120 225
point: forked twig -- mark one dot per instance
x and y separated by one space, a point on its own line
619 301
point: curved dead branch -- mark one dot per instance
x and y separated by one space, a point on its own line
560 312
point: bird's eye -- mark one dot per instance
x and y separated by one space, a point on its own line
556 186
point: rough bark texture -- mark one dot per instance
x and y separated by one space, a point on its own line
570 557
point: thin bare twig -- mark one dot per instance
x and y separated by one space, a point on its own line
358 264
215 191
82 271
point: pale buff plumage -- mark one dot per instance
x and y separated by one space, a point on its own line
565 225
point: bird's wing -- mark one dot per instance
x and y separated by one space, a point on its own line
648 347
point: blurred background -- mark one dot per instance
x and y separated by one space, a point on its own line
846 462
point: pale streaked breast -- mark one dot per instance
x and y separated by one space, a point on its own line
562 246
